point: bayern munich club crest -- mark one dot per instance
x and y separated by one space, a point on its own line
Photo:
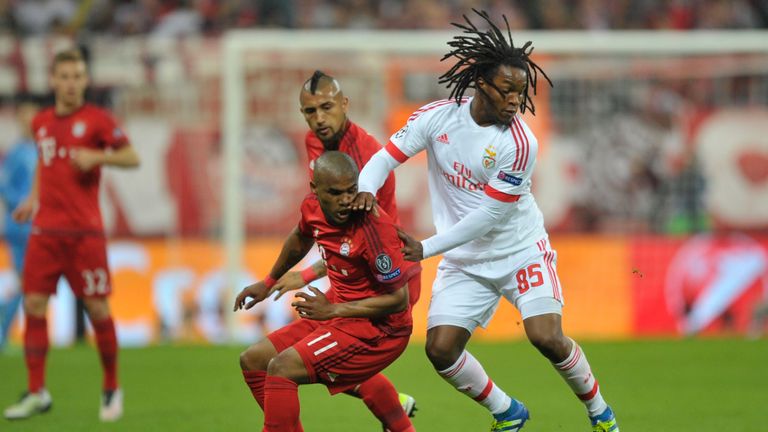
489 157
78 129
383 263
346 246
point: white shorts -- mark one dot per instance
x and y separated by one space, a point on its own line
467 294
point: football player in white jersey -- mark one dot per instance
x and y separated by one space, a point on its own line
490 231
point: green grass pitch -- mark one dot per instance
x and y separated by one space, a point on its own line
675 385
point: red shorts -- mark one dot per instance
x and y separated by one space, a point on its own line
340 353
82 259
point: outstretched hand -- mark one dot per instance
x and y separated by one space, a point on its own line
257 292
365 201
314 307
412 249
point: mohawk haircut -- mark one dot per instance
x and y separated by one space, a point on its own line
314 81
481 52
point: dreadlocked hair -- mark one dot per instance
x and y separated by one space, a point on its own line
480 52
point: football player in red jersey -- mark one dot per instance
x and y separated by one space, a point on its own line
74 140
324 107
362 325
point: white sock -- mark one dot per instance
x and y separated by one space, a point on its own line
577 373
467 376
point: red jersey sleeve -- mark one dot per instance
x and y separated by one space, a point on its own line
314 150
109 133
382 251
307 210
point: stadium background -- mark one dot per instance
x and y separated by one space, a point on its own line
653 176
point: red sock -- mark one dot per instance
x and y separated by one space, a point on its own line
382 399
281 405
35 351
106 341
255 381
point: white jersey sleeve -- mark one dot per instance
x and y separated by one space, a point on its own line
375 172
513 178
475 224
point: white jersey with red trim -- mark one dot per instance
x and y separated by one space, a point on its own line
467 161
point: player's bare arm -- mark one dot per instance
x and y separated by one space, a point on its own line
86 159
317 306
294 280
295 247
27 207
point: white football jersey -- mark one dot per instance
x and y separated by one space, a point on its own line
467 161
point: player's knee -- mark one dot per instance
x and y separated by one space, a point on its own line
245 361
288 365
35 305
442 355
279 366
253 360
97 307
552 345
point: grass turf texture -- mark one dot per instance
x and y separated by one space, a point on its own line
686 385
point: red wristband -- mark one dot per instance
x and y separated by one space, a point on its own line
308 274
269 281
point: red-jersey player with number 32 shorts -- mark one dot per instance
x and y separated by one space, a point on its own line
74 140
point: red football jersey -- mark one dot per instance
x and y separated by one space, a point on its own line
69 198
361 146
363 258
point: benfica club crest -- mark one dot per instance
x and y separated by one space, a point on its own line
489 157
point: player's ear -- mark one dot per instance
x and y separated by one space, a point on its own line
312 187
480 83
345 103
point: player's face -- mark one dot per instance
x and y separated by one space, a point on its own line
335 195
504 94
325 113
68 81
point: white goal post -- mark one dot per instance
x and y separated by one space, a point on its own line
247 50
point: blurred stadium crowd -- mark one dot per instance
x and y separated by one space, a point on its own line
212 17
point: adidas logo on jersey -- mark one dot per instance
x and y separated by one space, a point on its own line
443 139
